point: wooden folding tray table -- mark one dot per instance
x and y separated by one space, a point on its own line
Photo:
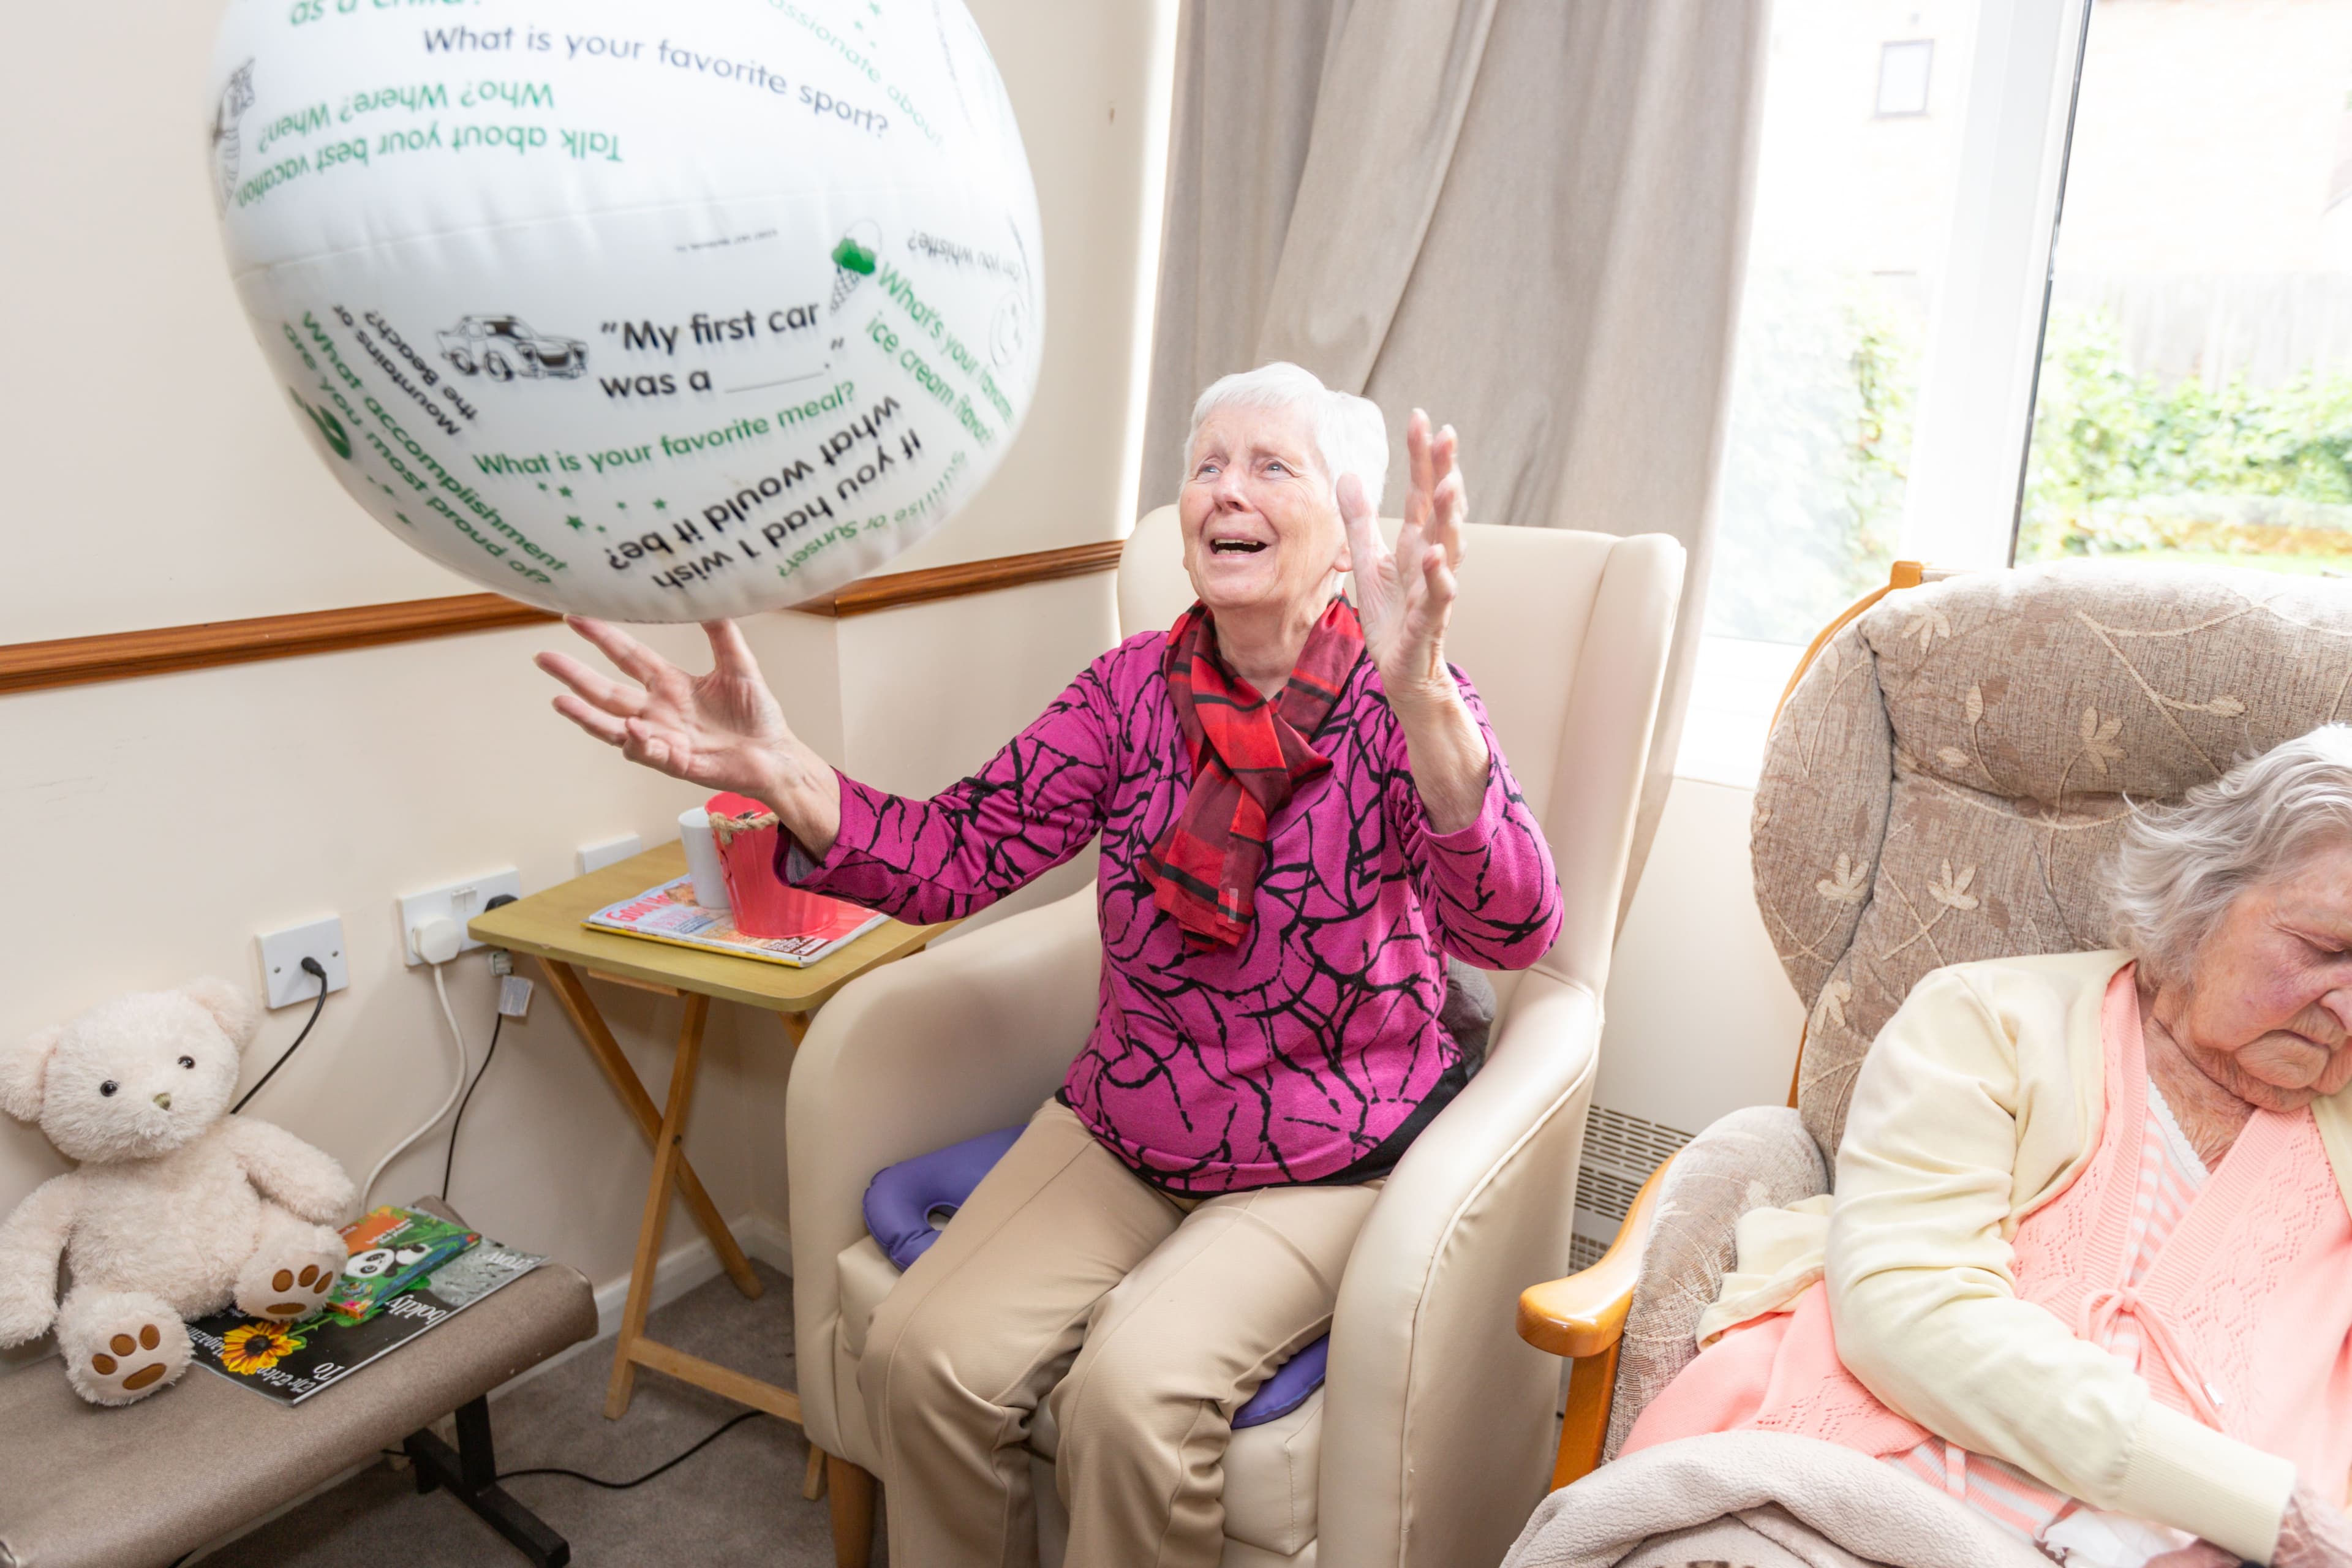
548 927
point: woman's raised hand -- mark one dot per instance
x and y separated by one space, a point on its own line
1404 596
722 730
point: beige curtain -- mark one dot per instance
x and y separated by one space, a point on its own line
1527 217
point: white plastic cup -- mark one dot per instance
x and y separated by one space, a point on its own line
702 858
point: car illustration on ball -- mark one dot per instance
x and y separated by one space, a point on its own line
503 347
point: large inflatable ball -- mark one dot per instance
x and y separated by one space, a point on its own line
658 313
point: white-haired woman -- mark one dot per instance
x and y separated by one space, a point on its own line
2089 1261
1302 813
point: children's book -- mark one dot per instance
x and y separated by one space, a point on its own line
390 1250
290 1361
818 925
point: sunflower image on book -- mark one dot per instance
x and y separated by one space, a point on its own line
258 1347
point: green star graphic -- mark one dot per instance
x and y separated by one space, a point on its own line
622 504
565 493
542 484
575 523
661 505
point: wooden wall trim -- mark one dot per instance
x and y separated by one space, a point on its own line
899 589
120 656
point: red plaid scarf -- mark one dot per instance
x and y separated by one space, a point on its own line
1248 755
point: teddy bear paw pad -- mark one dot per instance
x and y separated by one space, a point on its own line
295 1289
129 1362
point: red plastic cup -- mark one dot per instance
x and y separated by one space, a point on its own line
765 905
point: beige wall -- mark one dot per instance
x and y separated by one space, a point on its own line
1701 1017
164 822
141 422
1091 85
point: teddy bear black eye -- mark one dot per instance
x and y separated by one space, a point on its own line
108 1087
188 1062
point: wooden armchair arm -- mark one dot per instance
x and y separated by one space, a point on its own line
1582 1317
1584 1314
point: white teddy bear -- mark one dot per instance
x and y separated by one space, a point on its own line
178 1208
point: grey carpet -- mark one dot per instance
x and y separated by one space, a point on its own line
738 1501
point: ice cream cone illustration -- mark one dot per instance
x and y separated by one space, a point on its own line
853 260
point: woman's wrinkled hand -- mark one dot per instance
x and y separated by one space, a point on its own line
2315 1533
1404 597
722 730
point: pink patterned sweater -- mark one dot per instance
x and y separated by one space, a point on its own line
1303 1051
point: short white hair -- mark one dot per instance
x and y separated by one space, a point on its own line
1350 436
2180 868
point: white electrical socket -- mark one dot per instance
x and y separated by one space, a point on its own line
460 901
596 857
282 952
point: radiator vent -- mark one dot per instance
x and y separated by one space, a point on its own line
1621 1151
1583 1252
1629 1143
1605 1191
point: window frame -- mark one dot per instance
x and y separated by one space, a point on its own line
1984 337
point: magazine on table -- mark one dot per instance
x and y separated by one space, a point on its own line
409 1273
669 913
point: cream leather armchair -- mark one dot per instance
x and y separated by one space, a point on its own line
1431 1437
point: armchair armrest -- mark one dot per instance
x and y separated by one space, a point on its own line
1643 1301
1584 1314
1437 1420
965 1038
1582 1317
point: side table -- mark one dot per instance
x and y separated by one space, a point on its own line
547 925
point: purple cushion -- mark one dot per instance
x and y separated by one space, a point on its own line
907 1204
1287 1389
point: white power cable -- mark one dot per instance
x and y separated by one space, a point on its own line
458 1036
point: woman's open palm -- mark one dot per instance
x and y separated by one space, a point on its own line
1404 597
721 729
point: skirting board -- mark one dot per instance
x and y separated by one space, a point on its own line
681 1270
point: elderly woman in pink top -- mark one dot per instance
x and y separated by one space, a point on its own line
1302 813
2088 1264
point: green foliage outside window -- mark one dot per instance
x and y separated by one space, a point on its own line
2123 463
2139 464
1815 457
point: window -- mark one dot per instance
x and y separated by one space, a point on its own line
1892 301
1902 72
1899 387
2195 395
1843 258
1845 255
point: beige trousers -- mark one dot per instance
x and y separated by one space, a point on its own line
1145 1320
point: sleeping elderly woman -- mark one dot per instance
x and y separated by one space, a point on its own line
2089 1263
1302 813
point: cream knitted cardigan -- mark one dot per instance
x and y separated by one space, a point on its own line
1978 1102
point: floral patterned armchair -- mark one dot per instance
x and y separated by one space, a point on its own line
1943 784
